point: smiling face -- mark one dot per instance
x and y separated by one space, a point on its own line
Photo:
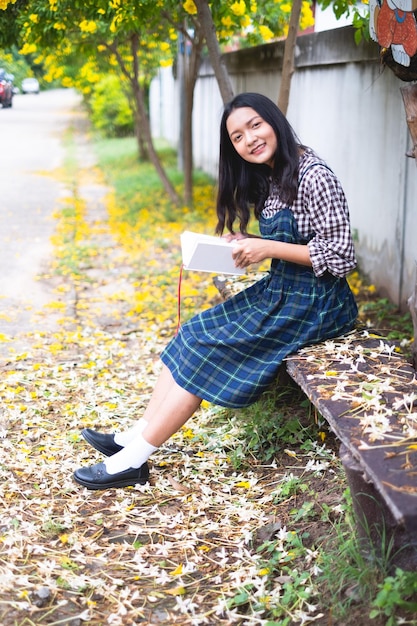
253 138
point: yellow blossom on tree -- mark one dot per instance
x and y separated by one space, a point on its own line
88 26
306 17
113 25
28 48
164 46
238 8
34 18
190 7
286 7
227 21
4 3
245 21
59 26
266 32
225 34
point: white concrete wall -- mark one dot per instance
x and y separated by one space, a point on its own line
351 112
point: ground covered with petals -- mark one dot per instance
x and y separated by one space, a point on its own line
220 535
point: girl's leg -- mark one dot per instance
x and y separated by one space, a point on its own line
172 413
168 410
160 392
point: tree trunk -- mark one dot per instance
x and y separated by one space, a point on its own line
147 135
409 94
142 147
143 117
288 62
222 76
191 66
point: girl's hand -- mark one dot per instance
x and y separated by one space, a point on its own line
234 237
250 250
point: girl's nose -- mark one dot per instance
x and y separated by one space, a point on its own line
250 137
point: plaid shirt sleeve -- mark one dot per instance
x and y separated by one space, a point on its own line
321 209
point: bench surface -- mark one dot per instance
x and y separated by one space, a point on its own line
368 395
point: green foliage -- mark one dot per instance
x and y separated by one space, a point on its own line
359 12
15 64
385 317
270 425
110 110
396 592
280 590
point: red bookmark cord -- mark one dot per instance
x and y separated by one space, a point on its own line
179 300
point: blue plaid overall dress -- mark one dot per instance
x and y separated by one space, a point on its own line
230 354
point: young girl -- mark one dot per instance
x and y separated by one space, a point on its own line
231 353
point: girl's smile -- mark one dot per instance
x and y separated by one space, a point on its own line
252 137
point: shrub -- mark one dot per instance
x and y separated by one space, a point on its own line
110 110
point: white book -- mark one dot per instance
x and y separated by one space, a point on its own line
204 253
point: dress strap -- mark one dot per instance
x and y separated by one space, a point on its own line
304 172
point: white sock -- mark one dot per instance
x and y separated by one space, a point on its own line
135 454
122 439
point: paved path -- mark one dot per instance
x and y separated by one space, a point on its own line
32 135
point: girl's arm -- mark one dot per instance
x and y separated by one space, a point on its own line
254 250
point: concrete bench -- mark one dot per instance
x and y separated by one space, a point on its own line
367 393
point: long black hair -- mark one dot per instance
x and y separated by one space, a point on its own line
242 184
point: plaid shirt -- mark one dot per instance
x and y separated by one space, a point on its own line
322 216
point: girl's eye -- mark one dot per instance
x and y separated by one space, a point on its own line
237 138
256 124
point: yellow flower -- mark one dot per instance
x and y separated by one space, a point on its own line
238 8
88 26
227 21
4 3
164 46
113 25
34 18
190 7
243 483
266 32
307 17
28 48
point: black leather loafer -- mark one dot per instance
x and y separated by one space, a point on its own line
96 477
101 442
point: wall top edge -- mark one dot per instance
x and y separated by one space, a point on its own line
323 48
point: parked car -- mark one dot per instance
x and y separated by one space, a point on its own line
6 90
30 85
